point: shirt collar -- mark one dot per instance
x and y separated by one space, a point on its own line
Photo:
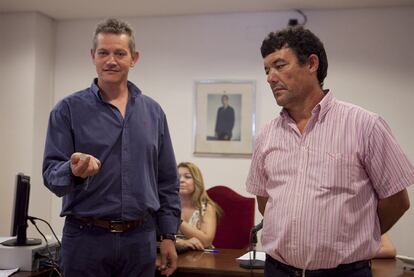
320 109
134 91
324 106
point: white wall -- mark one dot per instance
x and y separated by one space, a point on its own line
27 55
371 64
44 38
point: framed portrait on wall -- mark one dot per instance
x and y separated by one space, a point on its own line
224 118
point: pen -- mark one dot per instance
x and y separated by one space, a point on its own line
211 250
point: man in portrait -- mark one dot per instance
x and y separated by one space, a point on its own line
224 120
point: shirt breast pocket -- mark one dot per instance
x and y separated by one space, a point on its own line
341 172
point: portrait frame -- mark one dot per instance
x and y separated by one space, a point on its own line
212 118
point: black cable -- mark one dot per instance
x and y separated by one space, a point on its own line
37 228
50 227
55 266
49 258
294 22
305 18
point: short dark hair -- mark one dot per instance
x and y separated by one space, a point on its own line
115 26
302 42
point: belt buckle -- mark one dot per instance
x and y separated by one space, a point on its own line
116 226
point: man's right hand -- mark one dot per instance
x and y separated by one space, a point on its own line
84 165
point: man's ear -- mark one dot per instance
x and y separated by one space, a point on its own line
93 56
313 63
135 58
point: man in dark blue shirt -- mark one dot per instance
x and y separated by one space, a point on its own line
109 154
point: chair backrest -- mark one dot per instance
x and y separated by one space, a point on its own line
233 229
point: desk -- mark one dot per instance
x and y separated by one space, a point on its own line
389 268
42 273
201 264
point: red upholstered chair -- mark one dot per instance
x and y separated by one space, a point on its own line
233 230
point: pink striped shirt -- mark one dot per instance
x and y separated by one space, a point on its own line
324 185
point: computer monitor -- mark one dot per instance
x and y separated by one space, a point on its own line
20 214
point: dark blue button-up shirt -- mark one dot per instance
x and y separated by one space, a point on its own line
138 171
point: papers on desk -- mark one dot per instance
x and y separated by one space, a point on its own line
2 239
408 261
260 255
7 272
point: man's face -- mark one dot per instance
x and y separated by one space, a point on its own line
113 58
288 79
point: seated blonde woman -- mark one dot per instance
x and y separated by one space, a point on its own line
387 248
199 214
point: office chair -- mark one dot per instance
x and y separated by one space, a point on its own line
233 229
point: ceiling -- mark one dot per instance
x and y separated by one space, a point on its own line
78 9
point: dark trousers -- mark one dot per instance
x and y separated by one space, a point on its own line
275 268
88 250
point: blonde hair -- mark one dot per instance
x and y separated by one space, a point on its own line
200 196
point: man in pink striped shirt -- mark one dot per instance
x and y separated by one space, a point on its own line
329 176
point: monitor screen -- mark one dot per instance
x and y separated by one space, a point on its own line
20 213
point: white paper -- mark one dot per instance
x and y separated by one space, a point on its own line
7 272
260 255
406 259
2 239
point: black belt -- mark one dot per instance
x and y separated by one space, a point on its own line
340 269
114 226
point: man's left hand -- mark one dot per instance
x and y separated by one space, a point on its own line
168 257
